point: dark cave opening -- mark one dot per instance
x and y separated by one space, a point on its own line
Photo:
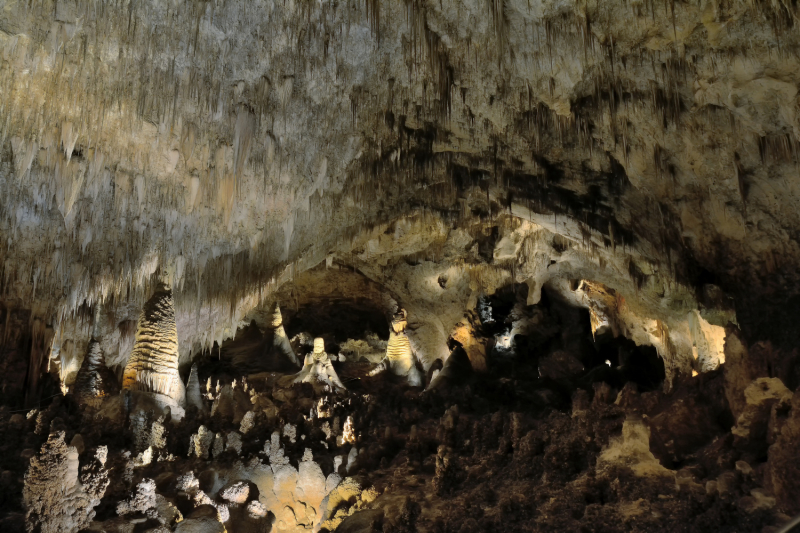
337 320
561 354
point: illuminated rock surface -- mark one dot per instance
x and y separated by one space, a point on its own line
152 367
399 358
318 369
588 211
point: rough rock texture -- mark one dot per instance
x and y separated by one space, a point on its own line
280 340
761 397
318 369
194 397
782 467
151 504
589 211
400 359
153 364
94 380
58 499
663 135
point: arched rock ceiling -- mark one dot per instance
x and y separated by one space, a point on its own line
229 145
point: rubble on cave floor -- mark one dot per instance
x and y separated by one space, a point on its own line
394 458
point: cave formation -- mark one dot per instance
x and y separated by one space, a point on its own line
444 266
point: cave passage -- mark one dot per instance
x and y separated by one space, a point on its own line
452 266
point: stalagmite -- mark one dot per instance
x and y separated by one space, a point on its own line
94 380
574 201
280 340
194 398
399 355
152 368
318 369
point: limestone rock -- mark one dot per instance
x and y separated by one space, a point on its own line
94 380
56 498
200 443
232 404
738 374
632 449
146 500
343 501
318 369
153 364
400 358
457 370
760 397
275 451
474 345
783 470
236 493
248 422
194 397
233 442
200 525
688 419
219 445
280 340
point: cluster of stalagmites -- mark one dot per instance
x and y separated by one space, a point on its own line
270 452
253 472
454 455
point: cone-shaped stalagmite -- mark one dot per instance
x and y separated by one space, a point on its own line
194 398
280 340
153 364
94 380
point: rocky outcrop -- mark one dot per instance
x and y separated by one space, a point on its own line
783 470
632 450
756 426
152 367
153 505
59 498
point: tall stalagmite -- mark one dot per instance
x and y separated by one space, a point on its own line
153 364
194 397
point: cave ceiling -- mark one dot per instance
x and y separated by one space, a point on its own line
399 266
226 147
